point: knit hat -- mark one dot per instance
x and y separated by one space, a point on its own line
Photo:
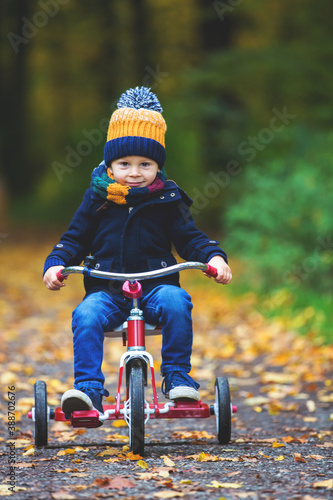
137 127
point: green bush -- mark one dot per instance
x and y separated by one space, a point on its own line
283 220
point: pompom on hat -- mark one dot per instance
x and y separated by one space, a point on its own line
137 127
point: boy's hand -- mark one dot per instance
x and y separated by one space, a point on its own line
50 278
224 275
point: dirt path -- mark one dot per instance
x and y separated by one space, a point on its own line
281 446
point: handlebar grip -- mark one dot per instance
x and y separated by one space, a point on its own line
212 271
60 277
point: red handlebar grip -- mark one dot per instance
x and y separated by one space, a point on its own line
211 271
60 277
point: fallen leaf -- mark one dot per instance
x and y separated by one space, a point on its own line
142 464
62 495
119 423
280 457
68 451
130 455
192 435
168 461
298 458
168 494
108 451
327 483
287 439
30 451
216 484
115 483
277 445
311 406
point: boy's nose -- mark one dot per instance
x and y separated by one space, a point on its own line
135 171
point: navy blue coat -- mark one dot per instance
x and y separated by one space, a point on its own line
133 239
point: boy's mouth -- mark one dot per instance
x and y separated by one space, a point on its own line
134 184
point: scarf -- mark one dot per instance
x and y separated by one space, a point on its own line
104 185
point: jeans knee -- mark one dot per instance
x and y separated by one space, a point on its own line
177 301
83 316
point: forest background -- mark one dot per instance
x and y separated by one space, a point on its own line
246 88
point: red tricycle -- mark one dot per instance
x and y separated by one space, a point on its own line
137 365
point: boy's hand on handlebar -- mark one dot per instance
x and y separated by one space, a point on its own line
50 278
224 275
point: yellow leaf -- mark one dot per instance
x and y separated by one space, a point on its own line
216 484
280 457
185 481
327 483
30 451
119 423
142 464
68 451
310 419
131 456
108 451
277 445
167 461
206 457
258 409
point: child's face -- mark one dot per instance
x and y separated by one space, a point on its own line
134 171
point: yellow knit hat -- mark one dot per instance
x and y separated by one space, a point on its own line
137 127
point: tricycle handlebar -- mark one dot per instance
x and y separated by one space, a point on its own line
210 270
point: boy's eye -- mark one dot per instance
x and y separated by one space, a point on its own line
124 164
145 164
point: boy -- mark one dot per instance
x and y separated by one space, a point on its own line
128 220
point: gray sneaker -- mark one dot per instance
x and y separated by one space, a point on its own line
74 400
179 385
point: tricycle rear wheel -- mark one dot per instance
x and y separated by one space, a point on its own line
222 410
41 430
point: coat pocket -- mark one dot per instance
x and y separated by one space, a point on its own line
105 264
160 262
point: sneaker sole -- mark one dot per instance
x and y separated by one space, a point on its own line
74 400
184 393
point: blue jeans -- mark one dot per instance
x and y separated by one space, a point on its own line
101 311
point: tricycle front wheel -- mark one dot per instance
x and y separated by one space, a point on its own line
136 408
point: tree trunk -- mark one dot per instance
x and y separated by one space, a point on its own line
15 166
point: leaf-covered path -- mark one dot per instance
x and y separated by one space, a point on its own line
281 445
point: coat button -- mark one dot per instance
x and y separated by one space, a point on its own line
172 194
162 197
163 263
97 265
60 245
